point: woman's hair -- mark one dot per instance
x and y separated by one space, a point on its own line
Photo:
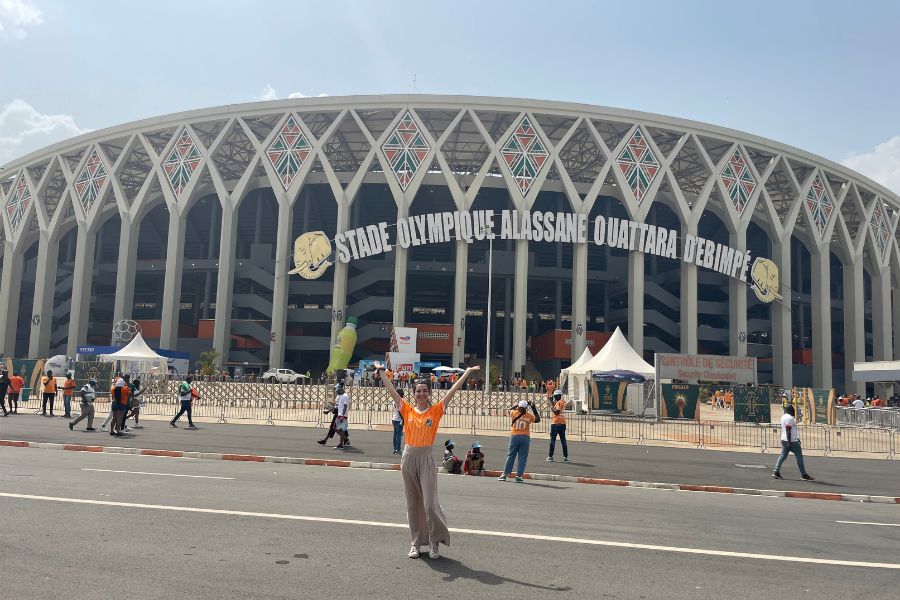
422 381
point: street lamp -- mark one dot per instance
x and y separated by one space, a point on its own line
487 350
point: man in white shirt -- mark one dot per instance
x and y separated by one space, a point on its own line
790 442
343 409
858 403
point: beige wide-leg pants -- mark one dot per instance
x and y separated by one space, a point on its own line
427 523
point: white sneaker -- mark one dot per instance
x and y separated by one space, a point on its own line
413 552
127 430
433 551
103 428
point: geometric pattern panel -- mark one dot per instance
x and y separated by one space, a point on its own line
90 180
405 149
288 151
880 227
638 164
819 204
182 161
525 154
738 180
18 202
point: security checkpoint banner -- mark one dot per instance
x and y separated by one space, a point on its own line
608 395
751 404
679 401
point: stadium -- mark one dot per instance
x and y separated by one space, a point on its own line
186 223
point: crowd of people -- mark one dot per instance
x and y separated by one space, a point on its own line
876 401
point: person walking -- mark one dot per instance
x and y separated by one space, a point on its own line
790 442
88 394
117 382
4 387
16 383
118 405
135 404
342 404
558 426
427 523
186 393
519 438
397 422
68 389
48 386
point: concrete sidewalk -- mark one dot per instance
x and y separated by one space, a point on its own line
627 462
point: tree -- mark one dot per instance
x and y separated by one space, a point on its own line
208 362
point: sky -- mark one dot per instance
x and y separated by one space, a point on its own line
821 76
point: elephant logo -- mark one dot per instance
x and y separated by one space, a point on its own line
764 274
311 252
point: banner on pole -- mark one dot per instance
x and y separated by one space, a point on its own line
679 401
608 395
751 404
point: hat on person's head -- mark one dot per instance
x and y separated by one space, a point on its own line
92 382
449 444
476 446
557 393
523 403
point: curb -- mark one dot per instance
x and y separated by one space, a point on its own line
349 464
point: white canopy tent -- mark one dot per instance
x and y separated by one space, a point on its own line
577 377
137 356
617 354
877 371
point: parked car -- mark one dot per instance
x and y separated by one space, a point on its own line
283 376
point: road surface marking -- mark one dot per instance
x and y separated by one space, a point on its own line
867 523
160 474
489 533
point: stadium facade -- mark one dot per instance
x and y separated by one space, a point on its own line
186 223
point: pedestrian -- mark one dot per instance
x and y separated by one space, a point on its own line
427 524
117 381
558 426
331 429
474 462
68 389
186 393
520 438
790 442
118 405
88 394
397 422
342 405
48 385
136 402
16 383
4 387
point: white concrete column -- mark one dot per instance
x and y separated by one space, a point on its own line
171 309
520 305
579 299
126 270
401 258
782 337
9 297
225 284
854 323
460 282
44 289
82 279
636 301
737 301
895 301
821 318
882 336
689 321
339 289
283 254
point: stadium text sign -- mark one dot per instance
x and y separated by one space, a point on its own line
706 367
313 249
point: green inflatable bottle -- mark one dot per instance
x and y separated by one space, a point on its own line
343 348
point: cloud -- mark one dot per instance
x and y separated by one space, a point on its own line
269 93
15 16
24 129
882 164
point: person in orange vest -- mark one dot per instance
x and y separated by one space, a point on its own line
68 389
16 383
120 392
48 385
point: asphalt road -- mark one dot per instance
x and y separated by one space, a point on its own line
81 525
612 461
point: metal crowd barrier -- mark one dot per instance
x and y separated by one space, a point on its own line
873 431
